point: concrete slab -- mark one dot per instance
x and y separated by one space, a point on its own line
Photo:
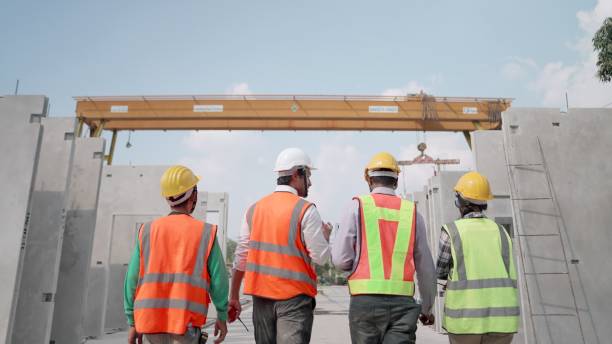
573 158
44 241
489 159
78 241
20 137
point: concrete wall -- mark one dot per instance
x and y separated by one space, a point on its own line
20 137
129 196
44 240
82 203
561 197
441 210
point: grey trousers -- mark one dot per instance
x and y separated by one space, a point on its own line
388 319
488 338
283 322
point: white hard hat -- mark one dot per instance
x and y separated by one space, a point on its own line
291 158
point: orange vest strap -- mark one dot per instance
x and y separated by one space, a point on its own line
174 278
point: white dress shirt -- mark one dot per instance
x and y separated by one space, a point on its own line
312 234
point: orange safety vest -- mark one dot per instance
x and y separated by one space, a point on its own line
173 283
278 266
386 257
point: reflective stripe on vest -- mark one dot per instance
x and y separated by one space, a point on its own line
481 294
289 249
370 276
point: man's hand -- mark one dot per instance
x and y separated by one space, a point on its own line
327 228
134 337
220 331
428 319
234 310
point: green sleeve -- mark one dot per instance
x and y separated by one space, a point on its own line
219 283
129 286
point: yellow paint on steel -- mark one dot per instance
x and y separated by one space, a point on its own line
292 112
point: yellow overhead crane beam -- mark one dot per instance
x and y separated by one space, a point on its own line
416 112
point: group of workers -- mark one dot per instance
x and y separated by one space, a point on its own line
177 267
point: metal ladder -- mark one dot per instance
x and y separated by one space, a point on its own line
530 333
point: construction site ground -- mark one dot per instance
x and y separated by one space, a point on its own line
330 323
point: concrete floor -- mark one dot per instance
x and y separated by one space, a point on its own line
330 326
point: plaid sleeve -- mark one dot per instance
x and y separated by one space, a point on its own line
445 259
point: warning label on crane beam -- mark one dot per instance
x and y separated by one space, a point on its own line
383 109
470 110
119 108
208 108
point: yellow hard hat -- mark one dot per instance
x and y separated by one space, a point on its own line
177 180
473 186
382 160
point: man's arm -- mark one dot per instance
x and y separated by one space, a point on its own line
425 269
219 283
130 284
445 259
240 257
314 239
343 245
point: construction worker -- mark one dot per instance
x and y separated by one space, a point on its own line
176 268
282 234
382 240
481 304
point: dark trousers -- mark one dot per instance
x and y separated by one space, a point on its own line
283 322
388 319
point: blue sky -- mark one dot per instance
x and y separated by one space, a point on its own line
533 51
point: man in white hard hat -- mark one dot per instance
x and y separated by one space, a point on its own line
281 236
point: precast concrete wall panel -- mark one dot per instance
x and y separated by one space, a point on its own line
78 241
490 160
20 137
129 196
44 240
441 210
571 152
217 204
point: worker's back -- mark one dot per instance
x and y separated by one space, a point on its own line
278 266
173 280
481 294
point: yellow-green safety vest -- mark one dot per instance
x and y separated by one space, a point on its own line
481 294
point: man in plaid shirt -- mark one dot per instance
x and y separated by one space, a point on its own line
445 259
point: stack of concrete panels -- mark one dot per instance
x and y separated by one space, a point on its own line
441 210
44 238
216 213
129 197
82 201
561 196
20 137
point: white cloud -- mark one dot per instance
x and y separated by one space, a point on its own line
239 89
412 87
518 68
553 79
